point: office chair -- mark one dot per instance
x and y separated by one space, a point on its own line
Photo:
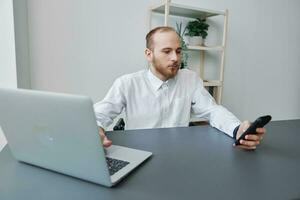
198 123
120 125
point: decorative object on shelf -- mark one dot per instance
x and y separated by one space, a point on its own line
184 54
197 31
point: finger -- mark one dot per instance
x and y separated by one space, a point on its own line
249 143
252 137
260 130
260 135
102 134
102 137
106 142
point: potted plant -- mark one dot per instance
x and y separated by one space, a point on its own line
184 54
197 31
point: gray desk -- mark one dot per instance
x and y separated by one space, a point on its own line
188 163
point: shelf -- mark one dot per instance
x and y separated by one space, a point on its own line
205 48
186 11
212 83
168 9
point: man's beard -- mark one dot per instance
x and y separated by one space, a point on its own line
168 72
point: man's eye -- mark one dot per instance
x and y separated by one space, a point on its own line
178 51
167 52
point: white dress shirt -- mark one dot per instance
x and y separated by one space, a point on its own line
149 102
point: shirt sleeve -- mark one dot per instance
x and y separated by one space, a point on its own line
111 106
204 106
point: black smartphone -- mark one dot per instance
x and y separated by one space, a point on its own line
258 123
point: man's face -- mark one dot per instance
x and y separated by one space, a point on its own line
165 55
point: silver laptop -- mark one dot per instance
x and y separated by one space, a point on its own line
59 132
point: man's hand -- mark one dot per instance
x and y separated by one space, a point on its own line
105 141
251 140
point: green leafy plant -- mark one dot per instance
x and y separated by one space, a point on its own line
197 27
184 54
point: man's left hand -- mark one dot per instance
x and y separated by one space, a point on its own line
251 140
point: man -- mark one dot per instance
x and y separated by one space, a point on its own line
164 96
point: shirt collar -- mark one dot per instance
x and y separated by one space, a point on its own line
156 82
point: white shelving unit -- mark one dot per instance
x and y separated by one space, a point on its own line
168 9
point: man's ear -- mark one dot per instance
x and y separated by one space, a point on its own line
148 54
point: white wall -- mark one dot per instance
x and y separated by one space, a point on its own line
263 64
7 52
82 46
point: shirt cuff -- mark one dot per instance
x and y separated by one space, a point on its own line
100 125
235 132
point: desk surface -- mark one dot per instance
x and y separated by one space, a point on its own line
193 162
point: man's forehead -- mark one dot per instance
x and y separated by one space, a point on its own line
166 40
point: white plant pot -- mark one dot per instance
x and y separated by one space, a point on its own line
195 41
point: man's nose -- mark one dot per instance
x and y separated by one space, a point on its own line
174 56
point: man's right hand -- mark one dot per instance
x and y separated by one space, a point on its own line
105 141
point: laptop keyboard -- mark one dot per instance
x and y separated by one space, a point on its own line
115 165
